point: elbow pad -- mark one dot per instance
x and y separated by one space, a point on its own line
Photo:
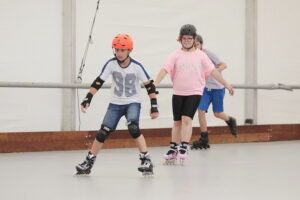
97 84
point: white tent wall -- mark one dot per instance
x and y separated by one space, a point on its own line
154 26
278 60
30 51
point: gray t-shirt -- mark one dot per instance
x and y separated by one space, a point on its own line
211 82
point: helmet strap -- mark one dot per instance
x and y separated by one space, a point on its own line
120 61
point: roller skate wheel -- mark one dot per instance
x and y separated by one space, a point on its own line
181 161
169 162
147 174
81 174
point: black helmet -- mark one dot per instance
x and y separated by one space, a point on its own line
199 39
188 29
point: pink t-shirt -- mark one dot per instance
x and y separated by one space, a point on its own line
188 71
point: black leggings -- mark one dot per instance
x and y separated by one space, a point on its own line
185 106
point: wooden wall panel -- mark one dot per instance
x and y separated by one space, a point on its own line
77 140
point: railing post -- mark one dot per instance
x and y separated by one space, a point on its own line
69 65
251 61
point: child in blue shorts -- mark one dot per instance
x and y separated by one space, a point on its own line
213 94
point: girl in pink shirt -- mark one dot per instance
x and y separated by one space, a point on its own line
187 68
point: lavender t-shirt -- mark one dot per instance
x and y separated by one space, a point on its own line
211 82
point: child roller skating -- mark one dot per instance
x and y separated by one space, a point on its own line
213 93
188 68
125 101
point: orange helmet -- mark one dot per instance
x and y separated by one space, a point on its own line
122 41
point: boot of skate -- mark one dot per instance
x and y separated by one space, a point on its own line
146 163
232 126
172 152
86 166
202 143
183 150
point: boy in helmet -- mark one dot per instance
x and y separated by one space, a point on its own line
125 101
213 93
187 68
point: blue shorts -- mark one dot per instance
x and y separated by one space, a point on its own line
214 96
115 112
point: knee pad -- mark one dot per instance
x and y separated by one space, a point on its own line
102 134
134 129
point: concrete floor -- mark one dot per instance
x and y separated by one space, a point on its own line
238 171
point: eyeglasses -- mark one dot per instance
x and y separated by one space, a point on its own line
187 38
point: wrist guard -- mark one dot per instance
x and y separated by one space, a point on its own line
87 99
150 87
154 106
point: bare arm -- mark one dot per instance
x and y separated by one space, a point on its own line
161 75
93 91
221 66
217 75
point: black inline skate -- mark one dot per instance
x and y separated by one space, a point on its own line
85 167
232 125
202 143
146 166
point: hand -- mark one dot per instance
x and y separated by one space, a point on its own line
86 102
84 109
154 115
230 89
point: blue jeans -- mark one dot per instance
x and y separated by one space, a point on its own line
115 112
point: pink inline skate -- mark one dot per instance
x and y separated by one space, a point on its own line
183 151
171 156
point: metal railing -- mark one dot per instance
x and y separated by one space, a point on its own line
278 86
